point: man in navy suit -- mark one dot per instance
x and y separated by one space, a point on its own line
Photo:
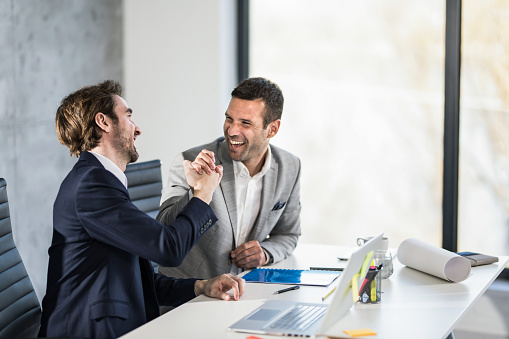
100 281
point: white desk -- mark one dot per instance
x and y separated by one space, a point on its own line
414 304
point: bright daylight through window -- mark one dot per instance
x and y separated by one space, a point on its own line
363 84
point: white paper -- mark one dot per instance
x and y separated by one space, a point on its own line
433 260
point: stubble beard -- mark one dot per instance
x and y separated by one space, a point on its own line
125 147
249 150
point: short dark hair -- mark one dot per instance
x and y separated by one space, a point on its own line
75 118
269 92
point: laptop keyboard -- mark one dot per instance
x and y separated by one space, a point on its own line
299 318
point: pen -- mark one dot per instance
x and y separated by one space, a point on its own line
326 268
327 295
287 289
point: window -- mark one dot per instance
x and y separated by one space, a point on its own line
483 203
363 85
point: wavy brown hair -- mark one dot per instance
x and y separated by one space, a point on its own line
75 118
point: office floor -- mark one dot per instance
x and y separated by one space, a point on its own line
488 317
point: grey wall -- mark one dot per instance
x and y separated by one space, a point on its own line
47 50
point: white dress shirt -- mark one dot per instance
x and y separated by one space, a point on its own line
112 167
249 195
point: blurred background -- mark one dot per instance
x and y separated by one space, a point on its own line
364 109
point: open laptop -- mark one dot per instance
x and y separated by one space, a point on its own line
288 318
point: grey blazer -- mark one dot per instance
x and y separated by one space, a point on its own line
277 227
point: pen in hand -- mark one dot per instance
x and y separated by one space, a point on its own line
287 289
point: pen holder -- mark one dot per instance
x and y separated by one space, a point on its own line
384 258
371 291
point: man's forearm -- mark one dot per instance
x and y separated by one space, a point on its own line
170 208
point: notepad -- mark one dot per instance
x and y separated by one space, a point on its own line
294 277
478 259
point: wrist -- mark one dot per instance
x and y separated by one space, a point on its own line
268 257
207 198
198 287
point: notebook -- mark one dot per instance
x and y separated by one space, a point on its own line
294 277
307 319
478 259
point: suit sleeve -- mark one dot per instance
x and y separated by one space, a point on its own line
285 234
176 194
173 291
108 215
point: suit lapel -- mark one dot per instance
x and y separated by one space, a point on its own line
228 187
268 191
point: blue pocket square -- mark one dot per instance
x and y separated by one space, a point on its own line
278 206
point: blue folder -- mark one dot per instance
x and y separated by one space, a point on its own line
294 277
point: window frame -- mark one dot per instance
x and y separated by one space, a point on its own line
452 75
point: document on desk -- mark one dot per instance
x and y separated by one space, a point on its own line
294 277
433 260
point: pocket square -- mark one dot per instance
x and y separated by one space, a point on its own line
279 205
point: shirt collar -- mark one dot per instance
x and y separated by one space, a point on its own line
111 167
239 168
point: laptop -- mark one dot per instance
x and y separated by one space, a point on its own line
289 318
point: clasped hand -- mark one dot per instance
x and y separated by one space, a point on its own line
203 176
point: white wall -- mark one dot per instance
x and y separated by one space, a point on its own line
179 71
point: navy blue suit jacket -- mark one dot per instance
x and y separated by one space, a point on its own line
100 282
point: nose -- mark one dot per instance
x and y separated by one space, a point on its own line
233 129
137 130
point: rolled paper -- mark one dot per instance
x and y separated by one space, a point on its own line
433 260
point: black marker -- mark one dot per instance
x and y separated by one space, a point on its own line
287 289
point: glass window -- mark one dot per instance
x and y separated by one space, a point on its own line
483 204
363 84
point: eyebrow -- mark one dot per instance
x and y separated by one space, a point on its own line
243 120
129 110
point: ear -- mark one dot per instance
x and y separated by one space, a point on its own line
103 122
273 128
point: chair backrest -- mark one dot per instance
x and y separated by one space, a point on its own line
20 312
144 185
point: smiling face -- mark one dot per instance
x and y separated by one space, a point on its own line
125 132
245 136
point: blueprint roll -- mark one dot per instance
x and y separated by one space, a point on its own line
433 260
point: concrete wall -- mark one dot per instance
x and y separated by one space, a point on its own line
176 60
47 50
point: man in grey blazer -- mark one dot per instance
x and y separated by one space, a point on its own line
258 200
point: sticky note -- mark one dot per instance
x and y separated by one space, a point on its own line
365 265
359 332
355 288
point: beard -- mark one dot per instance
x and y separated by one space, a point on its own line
124 145
248 150
133 154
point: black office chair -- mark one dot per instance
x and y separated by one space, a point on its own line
144 185
20 312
